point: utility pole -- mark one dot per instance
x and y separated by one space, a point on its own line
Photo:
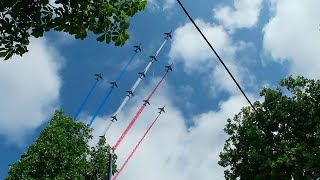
108 176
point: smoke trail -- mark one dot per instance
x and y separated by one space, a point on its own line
125 100
128 127
100 106
138 113
105 99
126 67
85 101
135 148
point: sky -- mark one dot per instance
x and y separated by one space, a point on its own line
260 41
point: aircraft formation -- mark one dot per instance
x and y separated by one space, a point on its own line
142 74
129 93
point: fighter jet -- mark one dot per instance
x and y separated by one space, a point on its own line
114 118
146 102
153 58
142 74
168 35
98 76
137 48
161 110
114 84
169 68
130 93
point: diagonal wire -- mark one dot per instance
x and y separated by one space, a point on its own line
221 61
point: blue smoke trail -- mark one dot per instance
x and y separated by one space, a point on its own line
100 106
125 68
84 102
110 91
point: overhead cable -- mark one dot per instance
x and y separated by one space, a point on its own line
221 61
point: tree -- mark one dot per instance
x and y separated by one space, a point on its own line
279 141
62 152
20 19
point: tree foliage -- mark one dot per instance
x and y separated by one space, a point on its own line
62 152
282 140
20 19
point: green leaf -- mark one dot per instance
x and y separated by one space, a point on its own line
276 142
118 43
126 25
124 16
116 33
114 38
3 54
101 38
9 55
108 39
40 17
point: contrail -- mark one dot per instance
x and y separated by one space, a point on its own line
135 148
85 101
125 100
138 113
105 99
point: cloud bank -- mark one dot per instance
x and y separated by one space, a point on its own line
292 35
171 150
29 90
243 14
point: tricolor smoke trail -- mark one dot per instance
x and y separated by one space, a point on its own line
135 148
138 113
85 101
125 100
105 99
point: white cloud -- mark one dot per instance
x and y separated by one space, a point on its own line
189 48
221 80
244 14
171 150
63 38
167 4
153 4
29 89
292 35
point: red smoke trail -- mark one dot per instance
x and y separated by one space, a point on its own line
154 90
135 148
138 114
129 127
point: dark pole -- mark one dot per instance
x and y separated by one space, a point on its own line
110 167
109 174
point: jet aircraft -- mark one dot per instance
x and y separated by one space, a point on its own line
114 84
161 110
146 102
142 74
130 93
169 68
168 35
114 118
137 48
153 58
98 76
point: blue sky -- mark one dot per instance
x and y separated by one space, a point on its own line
260 41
